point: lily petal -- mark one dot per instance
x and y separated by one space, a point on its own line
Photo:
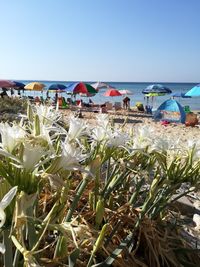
8 198
2 217
2 248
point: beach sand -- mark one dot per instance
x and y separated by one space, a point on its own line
136 119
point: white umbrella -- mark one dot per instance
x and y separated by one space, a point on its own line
99 85
125 92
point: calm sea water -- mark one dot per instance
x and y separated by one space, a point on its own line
136 88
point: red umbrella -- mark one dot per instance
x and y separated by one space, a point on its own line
112 92
6 83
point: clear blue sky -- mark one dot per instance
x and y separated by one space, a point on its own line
106 40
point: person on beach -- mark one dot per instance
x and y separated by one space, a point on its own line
47 94
90 101
126 103
12 92
56 98
4 93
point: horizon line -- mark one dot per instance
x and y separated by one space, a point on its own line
73 81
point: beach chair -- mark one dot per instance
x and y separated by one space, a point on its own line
109 106
148 109
117 106
64 104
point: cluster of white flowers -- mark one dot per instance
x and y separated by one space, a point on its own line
111 136
38 141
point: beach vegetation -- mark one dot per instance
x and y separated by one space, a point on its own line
11 108
97 195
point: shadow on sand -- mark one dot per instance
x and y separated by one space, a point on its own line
127 120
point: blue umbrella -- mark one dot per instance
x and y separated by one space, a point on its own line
57 87
156 88
195 91
180 94
19 85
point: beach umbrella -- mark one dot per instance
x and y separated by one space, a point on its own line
99 85
179 94
112 92
195 91
19 85
57 87
125 92
80 87
156 88
6 83
35 86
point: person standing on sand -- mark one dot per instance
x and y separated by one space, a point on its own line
4 93
126 103
56 98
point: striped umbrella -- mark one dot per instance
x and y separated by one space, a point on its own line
35 86
80 87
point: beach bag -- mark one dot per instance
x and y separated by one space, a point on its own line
191 119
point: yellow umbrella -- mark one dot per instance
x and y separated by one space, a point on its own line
35 86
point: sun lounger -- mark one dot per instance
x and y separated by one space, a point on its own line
117 106
109 106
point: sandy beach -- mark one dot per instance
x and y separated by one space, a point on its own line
136 119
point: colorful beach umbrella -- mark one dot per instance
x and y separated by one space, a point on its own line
35 86
6 83
125 92
156 88
195 91
100 85
80 87
112 92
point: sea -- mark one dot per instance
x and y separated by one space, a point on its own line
136 89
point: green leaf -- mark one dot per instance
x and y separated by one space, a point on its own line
73 257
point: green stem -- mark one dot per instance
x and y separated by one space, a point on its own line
76 199
31 229
8 255
108 170
137 191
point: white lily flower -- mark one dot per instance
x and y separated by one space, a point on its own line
47 114
32 155
44 133
103 120
143 137
11 136
5 202
70 157
77 128
161 144
117 139
100 134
